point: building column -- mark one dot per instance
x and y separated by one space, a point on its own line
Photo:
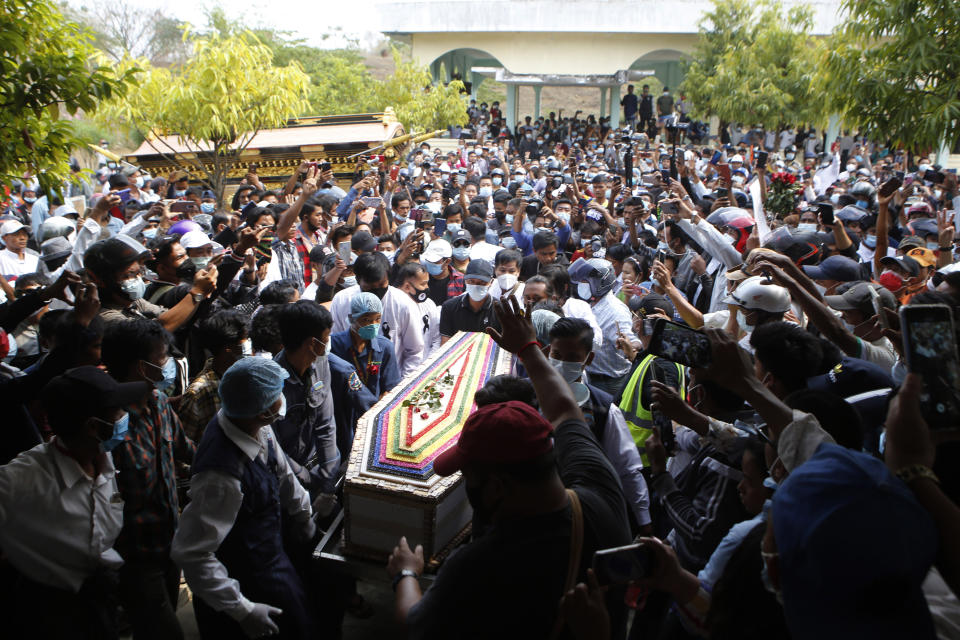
476 80
833 131
536 101
943 153
511 111
603 101
615 107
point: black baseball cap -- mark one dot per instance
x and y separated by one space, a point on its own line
479 269
363 241
83 392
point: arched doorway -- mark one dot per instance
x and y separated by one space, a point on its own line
459 63
666 65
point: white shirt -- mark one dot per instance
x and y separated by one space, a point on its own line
787 138
621 451
46 527
215 499
612 315
401 323
576 308
430 321
483 250
12 266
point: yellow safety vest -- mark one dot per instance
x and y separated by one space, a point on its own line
639 419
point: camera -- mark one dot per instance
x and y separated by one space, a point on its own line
533 206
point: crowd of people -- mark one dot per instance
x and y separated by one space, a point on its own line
182 378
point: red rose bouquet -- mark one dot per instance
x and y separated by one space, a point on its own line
782 189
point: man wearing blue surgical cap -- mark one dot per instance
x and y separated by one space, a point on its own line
229 543
362 345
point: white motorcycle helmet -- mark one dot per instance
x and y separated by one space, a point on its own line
754 294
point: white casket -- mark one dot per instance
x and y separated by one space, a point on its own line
391 489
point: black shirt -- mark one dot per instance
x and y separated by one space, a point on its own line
456 314
438 290
629 103
508 583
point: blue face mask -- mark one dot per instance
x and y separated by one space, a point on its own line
507 242
497 181
453 227
870 241
168 374
368 332
119 433
486 192
863 204
207 207
433 268
134 288
461 253
563 215
180 193
150 233
933 246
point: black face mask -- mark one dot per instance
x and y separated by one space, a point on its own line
379 292
187 270
420 295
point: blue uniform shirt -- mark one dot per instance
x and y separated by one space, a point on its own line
376 365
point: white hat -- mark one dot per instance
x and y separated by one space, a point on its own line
437 250
194 239
737 158
755 293
65 210
11 226
444 167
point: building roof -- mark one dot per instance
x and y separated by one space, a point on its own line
365 128
568 16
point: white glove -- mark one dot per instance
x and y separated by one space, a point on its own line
324 504
259 623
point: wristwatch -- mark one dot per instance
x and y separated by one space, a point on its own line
197 297
404 573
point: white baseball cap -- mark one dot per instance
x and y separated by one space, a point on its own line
437 250
194 239
11 226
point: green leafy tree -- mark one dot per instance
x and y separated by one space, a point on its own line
420 105
894 69
754 63
225 93
48 68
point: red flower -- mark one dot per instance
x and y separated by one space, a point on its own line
373 369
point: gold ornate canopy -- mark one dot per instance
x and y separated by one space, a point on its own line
278 152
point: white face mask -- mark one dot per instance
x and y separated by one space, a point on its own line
507 281
851 168
807 227
477 292
583 291
571 371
